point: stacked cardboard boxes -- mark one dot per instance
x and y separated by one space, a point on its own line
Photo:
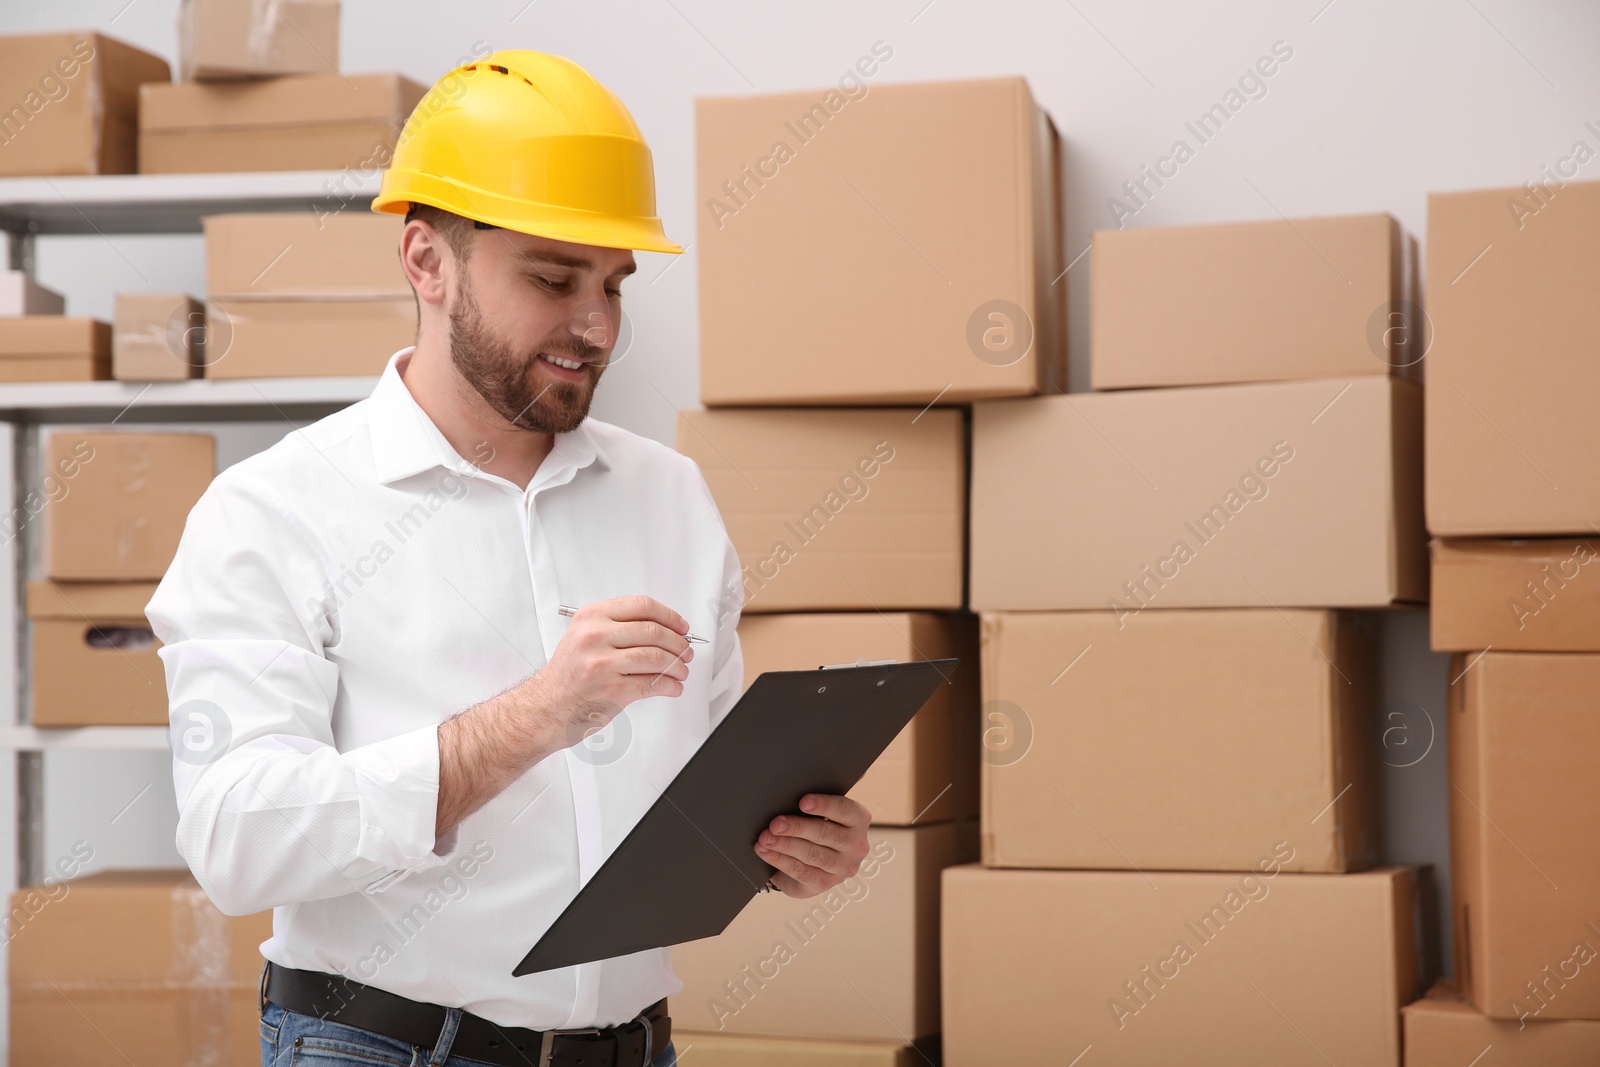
261 89
1178 676
892 273
113 506
139 961
1513 496
297 294
70 103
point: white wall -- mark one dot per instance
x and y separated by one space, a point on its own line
1379 104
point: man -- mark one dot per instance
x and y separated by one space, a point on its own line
379 708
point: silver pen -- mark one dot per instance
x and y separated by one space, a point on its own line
568 610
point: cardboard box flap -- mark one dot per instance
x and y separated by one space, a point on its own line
54 337
91 601
290 100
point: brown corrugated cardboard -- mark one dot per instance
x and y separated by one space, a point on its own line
305 338
723 1050
1524 742
1276 300
224 39
120 501
1444 1030
1517 596
929 773
1300 494
856 510
70 101
276 256
860 961
1512 378
156 337
21 295
296 122
909 237
132 962
95 659
1166 968
54 348
1255 732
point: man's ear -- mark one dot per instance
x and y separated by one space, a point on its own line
422 256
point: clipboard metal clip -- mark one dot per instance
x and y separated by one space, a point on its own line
859 663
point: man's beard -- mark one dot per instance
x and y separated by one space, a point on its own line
506 380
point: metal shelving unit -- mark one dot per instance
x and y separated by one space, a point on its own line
110 205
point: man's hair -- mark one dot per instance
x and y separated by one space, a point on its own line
453 228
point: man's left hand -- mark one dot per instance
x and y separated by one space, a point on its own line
816 851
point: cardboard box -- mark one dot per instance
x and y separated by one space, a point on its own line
132 963
21 295
1524 741
1277 300
54 348
929 773
95 660
723 1050
1256 731
1289 494
306 338
157 337
297 122
838 510
1444 1030
1517 596
71 101
119 501
910 242
1513 382
859 962
224 39
1190 968
300 254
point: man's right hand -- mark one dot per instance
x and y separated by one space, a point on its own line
614 652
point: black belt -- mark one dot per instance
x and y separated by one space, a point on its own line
634 1043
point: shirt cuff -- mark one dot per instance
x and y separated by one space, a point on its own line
397 781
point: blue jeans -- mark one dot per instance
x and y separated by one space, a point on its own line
290 1038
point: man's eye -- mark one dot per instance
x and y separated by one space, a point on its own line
554 283
614 292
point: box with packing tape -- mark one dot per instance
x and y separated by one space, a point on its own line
71 101
226 39
119 501
141 955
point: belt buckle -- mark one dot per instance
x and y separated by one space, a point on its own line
547 1044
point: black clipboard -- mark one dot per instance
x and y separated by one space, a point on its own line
688 867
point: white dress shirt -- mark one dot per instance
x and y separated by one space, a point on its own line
336 597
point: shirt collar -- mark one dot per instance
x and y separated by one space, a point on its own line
405 440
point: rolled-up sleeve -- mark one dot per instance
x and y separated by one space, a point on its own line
270 811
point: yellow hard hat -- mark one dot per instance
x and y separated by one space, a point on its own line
530 142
